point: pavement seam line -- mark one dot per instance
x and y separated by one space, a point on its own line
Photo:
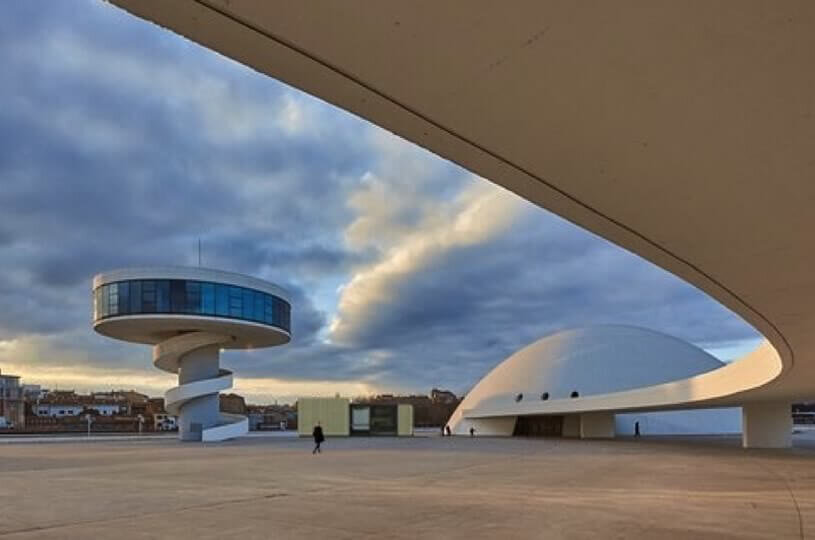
143 514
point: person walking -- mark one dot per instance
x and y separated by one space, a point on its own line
447 428
637 428
472 432
318 439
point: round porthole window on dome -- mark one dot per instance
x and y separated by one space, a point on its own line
519 397
545 396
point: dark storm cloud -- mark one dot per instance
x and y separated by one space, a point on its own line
99 172
466 311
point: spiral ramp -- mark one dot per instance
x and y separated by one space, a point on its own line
175 355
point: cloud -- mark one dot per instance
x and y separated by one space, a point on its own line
452 311
481 212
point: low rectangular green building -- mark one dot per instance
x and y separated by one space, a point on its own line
341 418
331 413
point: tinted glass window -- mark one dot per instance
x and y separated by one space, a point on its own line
124 297
163 296
269 310
248 304
259 307
235 302
135 297
208 298
148 296
278 313
97 303
113 299
286 322
178 296
104 301
222 300
190 297
193 303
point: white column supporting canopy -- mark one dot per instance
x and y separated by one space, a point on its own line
597 425
767 425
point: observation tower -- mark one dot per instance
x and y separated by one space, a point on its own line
189 315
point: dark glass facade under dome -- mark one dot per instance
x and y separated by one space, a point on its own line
190 297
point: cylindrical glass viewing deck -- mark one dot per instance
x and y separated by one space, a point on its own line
190 297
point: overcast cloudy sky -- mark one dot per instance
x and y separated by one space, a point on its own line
121 144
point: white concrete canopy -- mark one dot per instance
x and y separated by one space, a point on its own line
683 132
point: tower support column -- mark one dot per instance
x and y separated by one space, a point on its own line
766 424
200 412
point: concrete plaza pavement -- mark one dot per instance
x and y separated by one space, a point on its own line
421 487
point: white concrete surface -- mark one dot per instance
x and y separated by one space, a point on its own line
501 426
597 425
154 329
726 420
413 488
195 357
233 426
571 425
767 425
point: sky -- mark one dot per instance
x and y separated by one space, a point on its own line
123 144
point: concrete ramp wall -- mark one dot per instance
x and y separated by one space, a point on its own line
717 421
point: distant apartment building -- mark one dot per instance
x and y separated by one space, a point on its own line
164 422
28 407
271 417
122 395
12 402
432 410
444 397
60 409
232 403
155 405
32 392
131 403
57 409
60 404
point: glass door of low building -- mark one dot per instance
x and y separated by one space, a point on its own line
360 420
539 426
384 420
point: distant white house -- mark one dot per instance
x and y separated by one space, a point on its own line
59 410
165 422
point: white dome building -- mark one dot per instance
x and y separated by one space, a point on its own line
533 391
